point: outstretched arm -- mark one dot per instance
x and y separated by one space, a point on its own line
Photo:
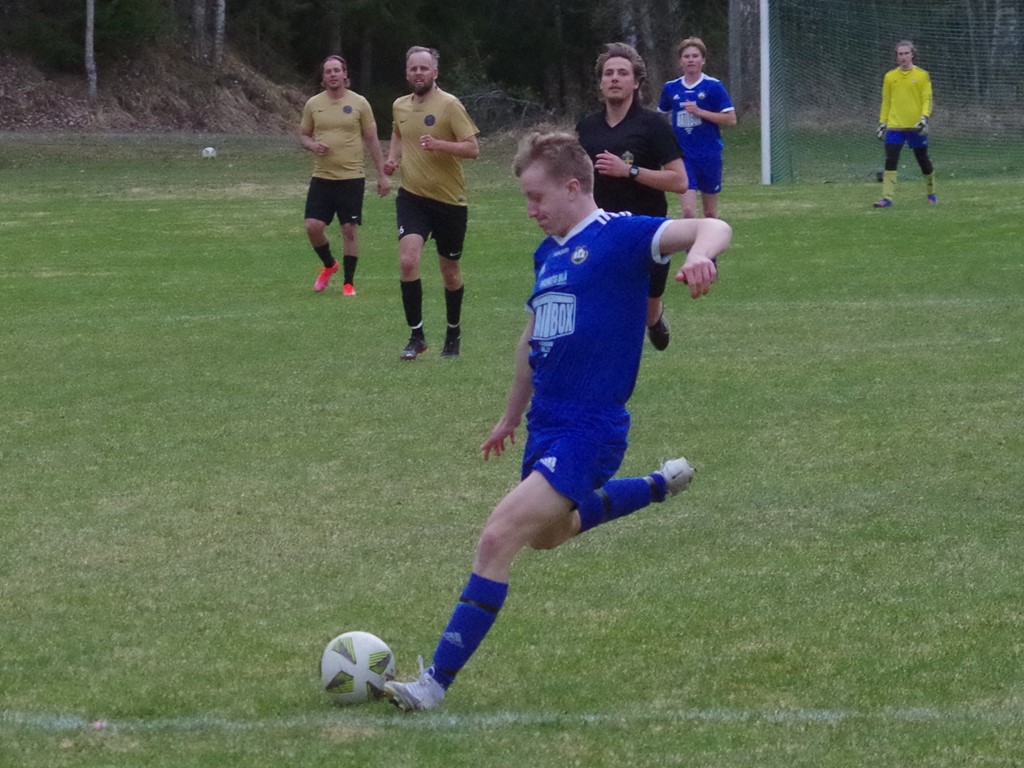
703 240
518 398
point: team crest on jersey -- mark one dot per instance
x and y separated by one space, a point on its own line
429 120
629 157
579 255
347 109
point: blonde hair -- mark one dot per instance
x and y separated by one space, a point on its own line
692 42
561 154
910 44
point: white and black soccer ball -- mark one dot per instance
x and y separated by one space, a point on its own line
209 153
355 666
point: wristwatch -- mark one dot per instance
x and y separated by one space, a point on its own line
634 171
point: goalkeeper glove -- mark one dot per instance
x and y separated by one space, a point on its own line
880 131
922 125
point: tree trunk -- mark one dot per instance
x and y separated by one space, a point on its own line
365 64
218 32
90 49
736 51
332 18
199 29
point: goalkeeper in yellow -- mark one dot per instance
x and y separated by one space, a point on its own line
906 107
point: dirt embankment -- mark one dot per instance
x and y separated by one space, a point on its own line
162 93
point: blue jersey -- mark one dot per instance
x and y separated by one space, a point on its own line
590 307
697 138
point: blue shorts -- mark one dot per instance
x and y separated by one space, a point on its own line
704 174
576 452
913 139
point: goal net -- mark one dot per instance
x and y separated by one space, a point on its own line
826 62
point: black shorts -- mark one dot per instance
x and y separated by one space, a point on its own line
329 197
425 217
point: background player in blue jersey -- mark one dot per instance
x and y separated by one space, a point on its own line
698 105
575 367
636 158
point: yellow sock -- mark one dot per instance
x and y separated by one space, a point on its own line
889 184
929 181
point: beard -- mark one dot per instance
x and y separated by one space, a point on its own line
616 99
422 88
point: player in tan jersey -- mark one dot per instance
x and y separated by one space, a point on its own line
431 137
337 125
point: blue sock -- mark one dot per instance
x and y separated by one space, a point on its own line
618 498
472 618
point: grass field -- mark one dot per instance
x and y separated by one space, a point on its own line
207 471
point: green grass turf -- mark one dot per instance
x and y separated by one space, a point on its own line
207 471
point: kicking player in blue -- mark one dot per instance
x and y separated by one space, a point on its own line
575 366
698 105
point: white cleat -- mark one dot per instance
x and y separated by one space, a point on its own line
422 693
677 473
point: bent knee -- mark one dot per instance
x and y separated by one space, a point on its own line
496 547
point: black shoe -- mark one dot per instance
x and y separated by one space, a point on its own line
417 346
659 334
451 345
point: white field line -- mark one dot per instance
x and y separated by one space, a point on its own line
439 721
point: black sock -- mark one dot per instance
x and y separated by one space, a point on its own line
412 302
659 276
453 305
324 252
349 267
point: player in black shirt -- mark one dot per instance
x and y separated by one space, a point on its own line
636 157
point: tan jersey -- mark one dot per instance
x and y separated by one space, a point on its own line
338 123
433 174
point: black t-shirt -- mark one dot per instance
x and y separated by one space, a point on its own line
643 138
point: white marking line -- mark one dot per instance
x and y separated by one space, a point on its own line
430 721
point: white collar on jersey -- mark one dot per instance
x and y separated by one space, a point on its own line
583 224
700 79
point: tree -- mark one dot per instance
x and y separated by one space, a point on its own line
199 29
220 11
744 53
90 49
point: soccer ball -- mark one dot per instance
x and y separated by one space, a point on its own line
209 153
355 666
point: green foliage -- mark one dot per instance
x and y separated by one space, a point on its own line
53 32
536 47
124 28
207 470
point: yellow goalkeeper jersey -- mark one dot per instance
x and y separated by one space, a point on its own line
906 96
